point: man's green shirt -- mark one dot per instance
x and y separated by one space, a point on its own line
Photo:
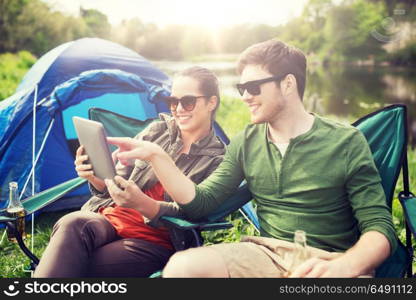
326 184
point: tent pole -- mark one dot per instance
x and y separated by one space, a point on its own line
33 170
35 100
248 220
37 157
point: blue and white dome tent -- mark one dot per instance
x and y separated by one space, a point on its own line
36 122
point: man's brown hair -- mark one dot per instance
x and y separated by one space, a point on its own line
277 58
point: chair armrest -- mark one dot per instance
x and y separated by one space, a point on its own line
46 197
216 226
4 218
188 225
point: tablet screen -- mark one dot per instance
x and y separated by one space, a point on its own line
91 135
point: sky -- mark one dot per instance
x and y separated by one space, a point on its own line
208 13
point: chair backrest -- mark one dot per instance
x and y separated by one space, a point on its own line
385 131
386 134
117 125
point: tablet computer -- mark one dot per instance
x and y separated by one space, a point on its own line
92 136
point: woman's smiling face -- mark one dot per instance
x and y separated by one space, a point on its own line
200 116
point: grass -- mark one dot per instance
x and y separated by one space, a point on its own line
12 69
12 260
232 115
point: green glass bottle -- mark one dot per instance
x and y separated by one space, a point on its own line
300 251
16 210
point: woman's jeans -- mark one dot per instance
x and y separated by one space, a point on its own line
85 244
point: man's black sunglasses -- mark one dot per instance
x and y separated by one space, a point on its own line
253 87
188 102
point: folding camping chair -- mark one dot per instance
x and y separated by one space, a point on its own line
386 132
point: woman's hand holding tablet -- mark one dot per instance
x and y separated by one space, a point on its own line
92 137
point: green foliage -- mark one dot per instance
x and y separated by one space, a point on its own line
12 69
337 32
33 26
326 30
240 228
232 115
398 218
9 11
39 29
348 29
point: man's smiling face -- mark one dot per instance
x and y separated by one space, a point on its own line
266 106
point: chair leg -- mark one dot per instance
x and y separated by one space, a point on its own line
182 239
198 239
34 261
410 249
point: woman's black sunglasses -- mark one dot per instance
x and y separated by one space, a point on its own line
187 102
253 87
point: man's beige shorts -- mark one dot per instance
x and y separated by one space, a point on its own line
263 257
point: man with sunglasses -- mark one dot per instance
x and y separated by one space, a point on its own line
305 172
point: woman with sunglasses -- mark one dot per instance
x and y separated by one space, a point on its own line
117 233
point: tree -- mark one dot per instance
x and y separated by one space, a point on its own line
163 43
38 29
97 23
315 12
9 11
236 38
131 33
348 29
